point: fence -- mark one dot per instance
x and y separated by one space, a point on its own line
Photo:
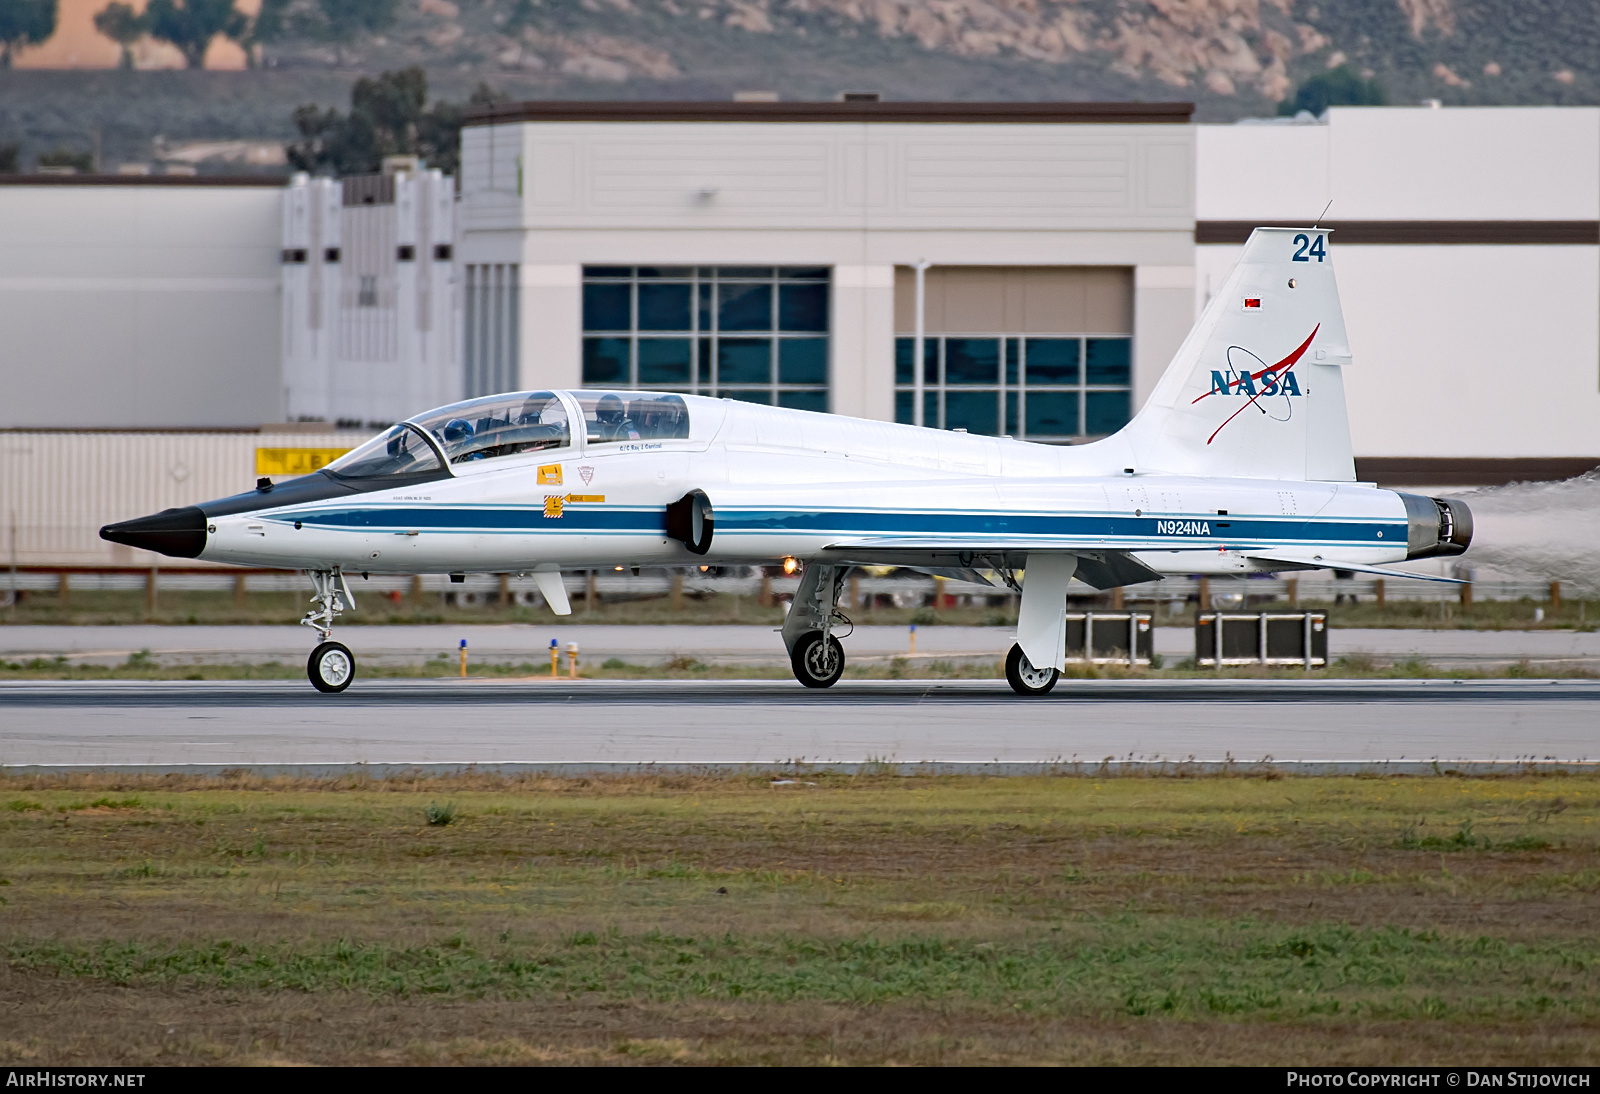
1167 598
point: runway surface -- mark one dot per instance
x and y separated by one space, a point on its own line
747 645
559 723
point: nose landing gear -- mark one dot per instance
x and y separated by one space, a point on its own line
331 666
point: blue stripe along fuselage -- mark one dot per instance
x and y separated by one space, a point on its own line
621 520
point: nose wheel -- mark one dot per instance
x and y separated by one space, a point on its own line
1024 678
331 667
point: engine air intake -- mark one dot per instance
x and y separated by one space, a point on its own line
691 522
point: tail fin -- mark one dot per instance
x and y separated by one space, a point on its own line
1256 390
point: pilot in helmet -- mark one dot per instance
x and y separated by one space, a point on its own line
611 419
533 408
457 432
544 423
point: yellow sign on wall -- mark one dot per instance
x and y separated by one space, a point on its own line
294 461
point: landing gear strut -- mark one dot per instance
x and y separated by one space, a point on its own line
331 666
814 653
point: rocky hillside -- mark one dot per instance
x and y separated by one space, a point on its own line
1233 58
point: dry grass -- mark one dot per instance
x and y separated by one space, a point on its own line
834 919
102 607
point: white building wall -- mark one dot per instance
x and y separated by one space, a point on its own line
858 197
550 326
862 342
147 304
1460 350
1405 163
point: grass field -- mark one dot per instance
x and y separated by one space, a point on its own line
820 919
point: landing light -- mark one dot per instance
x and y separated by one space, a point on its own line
790 565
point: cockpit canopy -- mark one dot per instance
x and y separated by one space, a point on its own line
401 451
632 416
498 425
509 425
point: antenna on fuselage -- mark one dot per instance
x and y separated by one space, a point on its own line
1318 222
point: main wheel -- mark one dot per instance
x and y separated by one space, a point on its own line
817 665
1024 678
331 667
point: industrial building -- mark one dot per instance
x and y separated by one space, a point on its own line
370 309
772 251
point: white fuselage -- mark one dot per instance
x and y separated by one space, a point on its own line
791 484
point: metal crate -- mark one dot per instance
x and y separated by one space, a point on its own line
1261 638
1103 638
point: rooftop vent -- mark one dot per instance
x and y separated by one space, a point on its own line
860 97
402 165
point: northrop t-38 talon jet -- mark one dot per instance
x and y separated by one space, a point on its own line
1239 463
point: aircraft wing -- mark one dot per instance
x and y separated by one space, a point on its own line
1099 568
1317 562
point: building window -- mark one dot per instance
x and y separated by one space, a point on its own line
491 308
1037 387
756 333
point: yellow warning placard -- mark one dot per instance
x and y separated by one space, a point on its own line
585 497
552 505
550 475
295 461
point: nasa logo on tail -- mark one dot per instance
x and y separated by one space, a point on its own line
1242 377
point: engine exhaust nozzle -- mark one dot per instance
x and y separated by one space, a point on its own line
1436 527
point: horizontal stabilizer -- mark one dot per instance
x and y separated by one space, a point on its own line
1317 562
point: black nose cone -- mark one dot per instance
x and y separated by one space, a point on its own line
180 533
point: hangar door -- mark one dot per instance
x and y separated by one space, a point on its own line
1036 352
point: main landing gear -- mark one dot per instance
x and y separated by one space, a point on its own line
331 666
814 653
818 660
